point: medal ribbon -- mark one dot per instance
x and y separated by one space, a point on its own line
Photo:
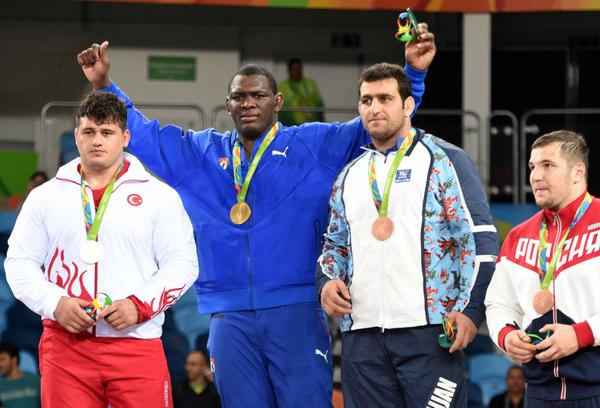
545 270
93 226
242 188
382 204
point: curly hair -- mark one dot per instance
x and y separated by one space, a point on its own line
104 107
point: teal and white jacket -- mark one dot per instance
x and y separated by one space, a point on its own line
441 255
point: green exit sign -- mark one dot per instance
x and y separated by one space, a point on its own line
171 68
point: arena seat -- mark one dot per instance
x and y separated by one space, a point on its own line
488 372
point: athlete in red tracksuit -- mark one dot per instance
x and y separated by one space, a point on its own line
555 342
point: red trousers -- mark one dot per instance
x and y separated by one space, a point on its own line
79 370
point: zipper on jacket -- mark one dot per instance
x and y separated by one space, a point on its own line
382 314
558 224
250 277
318 238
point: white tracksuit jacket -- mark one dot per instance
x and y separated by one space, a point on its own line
146 235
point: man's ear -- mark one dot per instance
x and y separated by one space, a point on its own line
127 135
579 172
278 101
227 106
409 106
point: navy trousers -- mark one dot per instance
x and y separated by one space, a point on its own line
401 368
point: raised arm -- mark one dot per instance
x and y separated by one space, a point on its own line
168 151
337 143
419 55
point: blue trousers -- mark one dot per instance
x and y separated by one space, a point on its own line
401 368
277 357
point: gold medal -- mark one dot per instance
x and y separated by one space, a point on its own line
382 228
240 213
543 301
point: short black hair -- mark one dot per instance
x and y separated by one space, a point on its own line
37 174
11 349
386 70
573 147
104 107
293 61
253 69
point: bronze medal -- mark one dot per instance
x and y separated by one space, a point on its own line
240 213
543 301
382 228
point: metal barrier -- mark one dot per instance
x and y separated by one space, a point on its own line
513 131
532 129
476 130
41 142
222 108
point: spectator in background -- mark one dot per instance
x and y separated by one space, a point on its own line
37 179
299 92
514 396
18 389
198 389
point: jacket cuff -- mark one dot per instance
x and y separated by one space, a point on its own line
502 335
585 336
112 88
474 313
414 72
144 310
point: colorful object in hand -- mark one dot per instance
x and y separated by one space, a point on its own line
103 300
407 26
446 338
537 339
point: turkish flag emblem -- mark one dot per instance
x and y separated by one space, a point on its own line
135 200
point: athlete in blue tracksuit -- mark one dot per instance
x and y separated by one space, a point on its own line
268 341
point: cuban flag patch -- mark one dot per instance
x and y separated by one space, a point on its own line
403 175
223 162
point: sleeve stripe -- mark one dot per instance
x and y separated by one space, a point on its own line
484 228
485 258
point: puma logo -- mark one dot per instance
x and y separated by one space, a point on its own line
320 353
278 153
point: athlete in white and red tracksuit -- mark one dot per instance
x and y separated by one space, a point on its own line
566 365
149 260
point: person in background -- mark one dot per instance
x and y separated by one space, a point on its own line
37 179
299 92
514 396
18 389
198 389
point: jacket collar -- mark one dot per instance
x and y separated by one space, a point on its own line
136 171
565 214
371 147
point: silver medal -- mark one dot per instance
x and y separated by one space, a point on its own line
90 252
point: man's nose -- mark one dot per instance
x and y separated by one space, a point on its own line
248 102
